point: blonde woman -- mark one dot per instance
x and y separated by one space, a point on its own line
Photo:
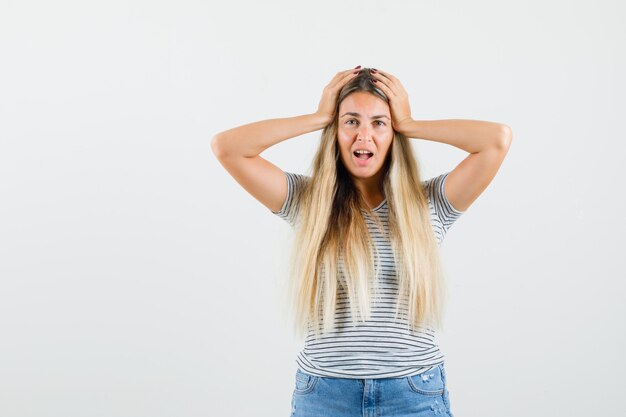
366 281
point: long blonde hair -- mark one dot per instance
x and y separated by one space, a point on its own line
330 224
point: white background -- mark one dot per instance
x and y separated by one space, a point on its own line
137 278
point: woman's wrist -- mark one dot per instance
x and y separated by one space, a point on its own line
320 121
407 127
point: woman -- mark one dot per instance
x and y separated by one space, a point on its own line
366 279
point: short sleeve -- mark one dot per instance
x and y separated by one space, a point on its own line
295 184
443 215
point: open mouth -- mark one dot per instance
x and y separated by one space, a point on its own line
363 155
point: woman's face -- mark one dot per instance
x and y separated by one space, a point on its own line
364 123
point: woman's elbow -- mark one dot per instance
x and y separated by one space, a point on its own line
505 136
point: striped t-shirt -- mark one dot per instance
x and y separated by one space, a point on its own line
379 347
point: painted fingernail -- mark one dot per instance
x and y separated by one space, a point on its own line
374 70
358 66
374 80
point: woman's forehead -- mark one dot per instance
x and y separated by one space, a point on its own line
365 104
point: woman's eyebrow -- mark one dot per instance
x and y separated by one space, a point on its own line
379 116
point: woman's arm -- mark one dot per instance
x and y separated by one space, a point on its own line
251 139
487 144
470 135
238 151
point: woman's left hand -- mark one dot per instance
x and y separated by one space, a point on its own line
398 98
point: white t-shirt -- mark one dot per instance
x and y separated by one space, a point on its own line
381 347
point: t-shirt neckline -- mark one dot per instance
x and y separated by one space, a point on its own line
378 207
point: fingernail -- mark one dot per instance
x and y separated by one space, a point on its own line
357 67
374 70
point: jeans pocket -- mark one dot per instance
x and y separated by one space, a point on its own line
428 383
304 382
446 396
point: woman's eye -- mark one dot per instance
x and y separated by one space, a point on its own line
377 121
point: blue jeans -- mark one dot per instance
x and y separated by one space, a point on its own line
411 396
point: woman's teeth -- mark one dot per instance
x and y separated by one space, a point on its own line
363 154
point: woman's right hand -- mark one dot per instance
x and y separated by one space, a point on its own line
326 108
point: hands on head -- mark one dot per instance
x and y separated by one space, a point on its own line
387 83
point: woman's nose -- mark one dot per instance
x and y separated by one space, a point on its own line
364 134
